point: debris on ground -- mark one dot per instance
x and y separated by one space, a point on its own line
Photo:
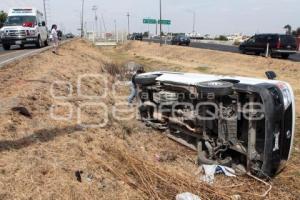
210 171
78 176
22 111
187 196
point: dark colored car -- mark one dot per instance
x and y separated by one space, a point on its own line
180 40
136 36
279 45
59 34
70 35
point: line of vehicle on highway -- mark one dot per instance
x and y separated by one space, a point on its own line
286 48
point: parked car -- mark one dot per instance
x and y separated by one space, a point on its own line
136 36
59 34
231 121
180 40
24 26
279 45
70 35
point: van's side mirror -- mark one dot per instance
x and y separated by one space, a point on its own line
43 23
271 75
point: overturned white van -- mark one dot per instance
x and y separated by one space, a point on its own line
231 121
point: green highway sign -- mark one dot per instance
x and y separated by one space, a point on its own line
149 21
164 22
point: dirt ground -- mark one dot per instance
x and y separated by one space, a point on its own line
48 154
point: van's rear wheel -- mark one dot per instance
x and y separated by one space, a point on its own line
146 80
6 47
216 88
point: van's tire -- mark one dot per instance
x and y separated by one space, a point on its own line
242 50
145 80
216 88
22 46
46 43
39 43
6 47
285 56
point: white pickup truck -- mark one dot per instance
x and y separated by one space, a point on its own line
24 26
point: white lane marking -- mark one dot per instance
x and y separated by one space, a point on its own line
23 55
9 53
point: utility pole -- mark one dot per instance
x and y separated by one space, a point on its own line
45 12
160 24
95 8
82 10
116 33
194 21
128 17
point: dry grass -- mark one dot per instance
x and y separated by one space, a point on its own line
39 156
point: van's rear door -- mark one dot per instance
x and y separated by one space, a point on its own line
288 42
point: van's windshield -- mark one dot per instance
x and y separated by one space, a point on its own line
19 20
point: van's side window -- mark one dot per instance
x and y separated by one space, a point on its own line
261 38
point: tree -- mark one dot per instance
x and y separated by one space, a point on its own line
3 16
222 38
288 29
296 33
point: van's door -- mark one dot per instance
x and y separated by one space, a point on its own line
261 43
42 28
250 45
288 42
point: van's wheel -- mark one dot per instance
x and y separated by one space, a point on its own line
22 46
46 43
272 55
285 56
215 88
39 43
146 80
242 51
6 47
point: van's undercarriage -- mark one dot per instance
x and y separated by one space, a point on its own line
228 123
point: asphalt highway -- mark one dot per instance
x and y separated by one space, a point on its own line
221 47
15 53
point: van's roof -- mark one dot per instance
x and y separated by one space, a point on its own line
23 11
277 34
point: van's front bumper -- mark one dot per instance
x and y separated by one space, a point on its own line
19 40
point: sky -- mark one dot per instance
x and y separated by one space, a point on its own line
212 16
